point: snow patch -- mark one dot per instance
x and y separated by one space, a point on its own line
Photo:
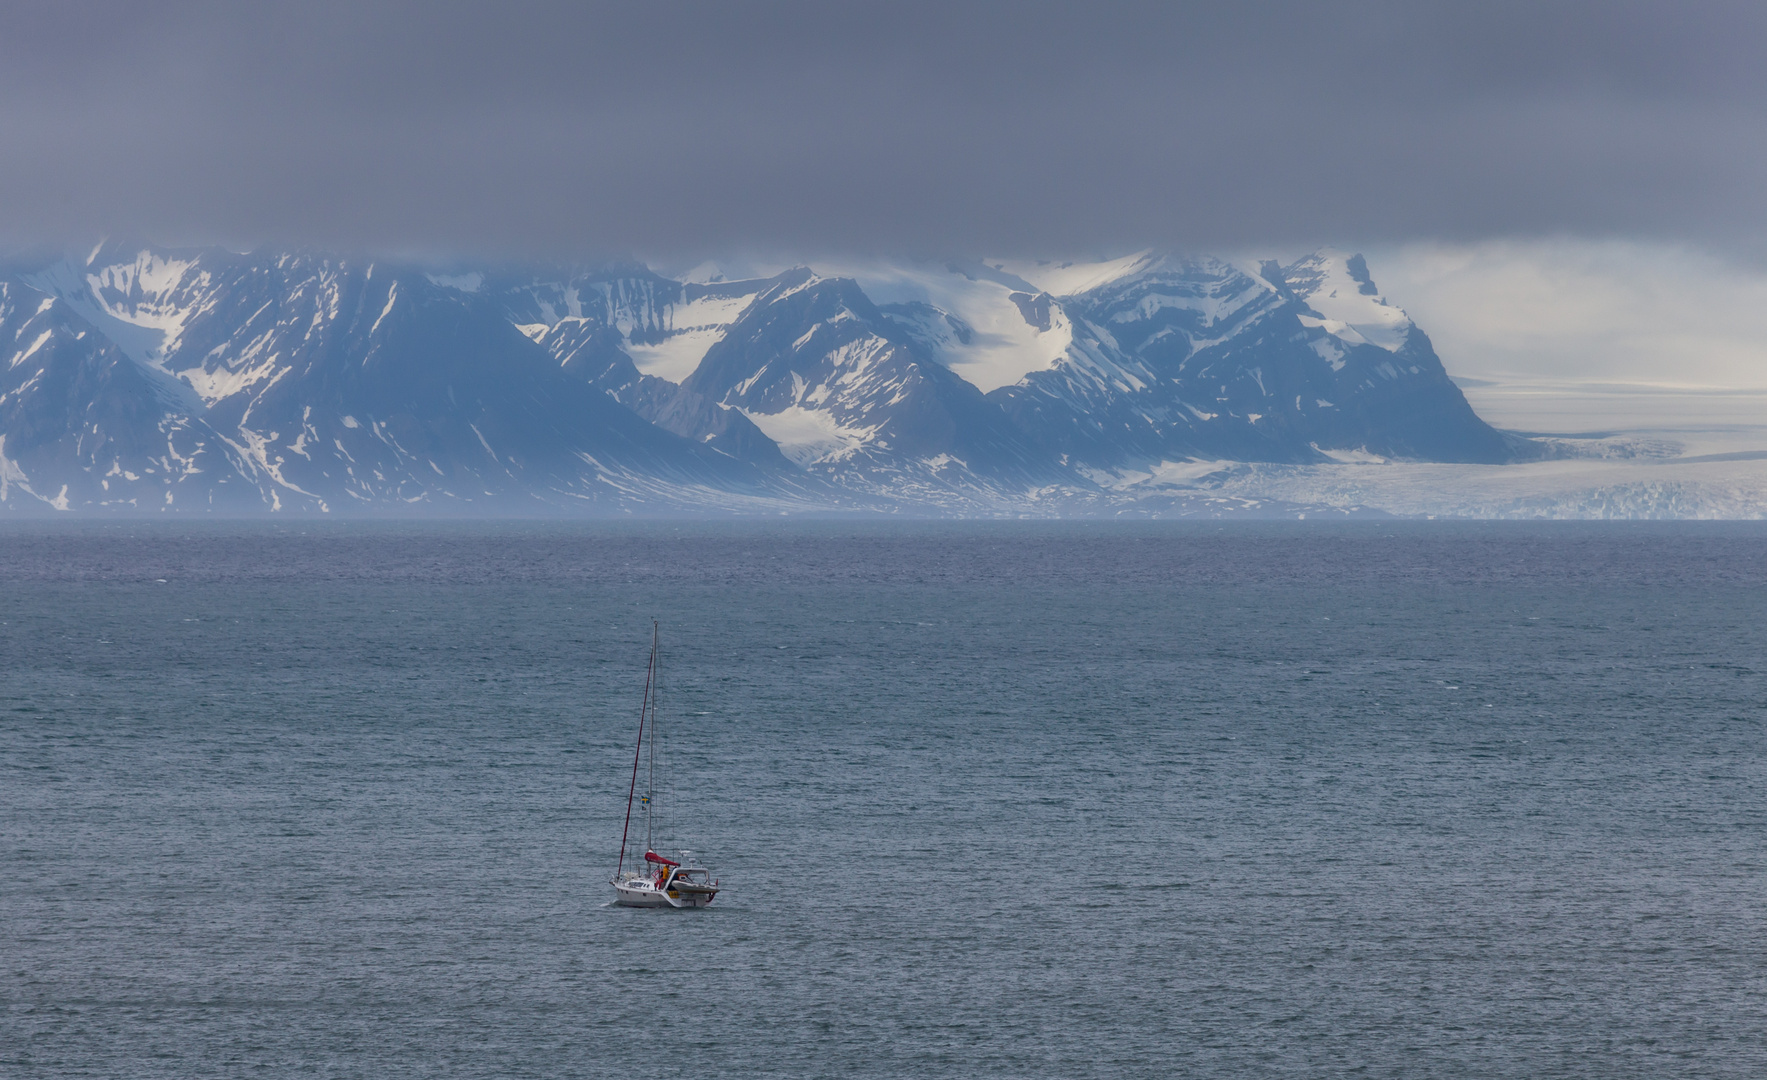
1338 288
214 385
806 436
392 295
11 474
689 330
35 345
676 356
1328 349
1002 349
141 305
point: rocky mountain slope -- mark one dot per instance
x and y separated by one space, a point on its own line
142 378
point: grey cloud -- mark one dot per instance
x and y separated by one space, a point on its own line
909 126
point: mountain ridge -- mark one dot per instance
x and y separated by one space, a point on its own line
309 381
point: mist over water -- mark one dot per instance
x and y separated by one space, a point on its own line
1477 800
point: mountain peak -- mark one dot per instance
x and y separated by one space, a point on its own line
1340 291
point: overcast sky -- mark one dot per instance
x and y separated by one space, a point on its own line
1029 128
1596 157
1560 316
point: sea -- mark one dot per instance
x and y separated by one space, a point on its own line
1065 800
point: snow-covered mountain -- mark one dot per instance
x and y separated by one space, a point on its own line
83 424
847 394
141 377
322 383
636 336
1165 358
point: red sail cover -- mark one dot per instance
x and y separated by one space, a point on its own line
651 856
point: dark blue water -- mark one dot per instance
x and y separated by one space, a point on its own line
1014 801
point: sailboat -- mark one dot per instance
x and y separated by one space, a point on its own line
656 881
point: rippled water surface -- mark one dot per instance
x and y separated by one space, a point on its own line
990 800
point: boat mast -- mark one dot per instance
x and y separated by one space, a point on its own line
649 676
656 693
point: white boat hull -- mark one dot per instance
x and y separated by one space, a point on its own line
642 893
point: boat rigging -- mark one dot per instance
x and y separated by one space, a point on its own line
657 881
